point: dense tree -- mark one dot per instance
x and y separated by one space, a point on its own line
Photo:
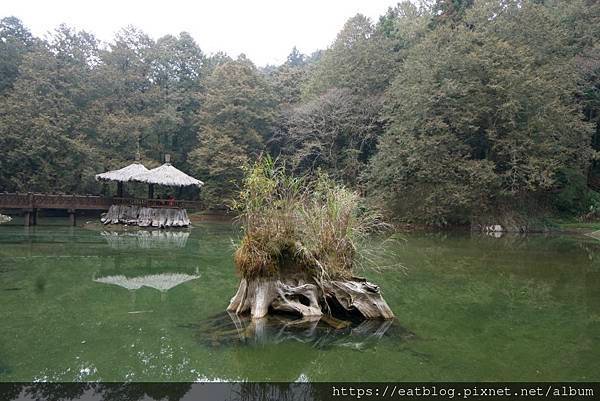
481 113
234 122
336 131
15 42
128 100
451 12
287 79
44 124
443 111
333 123
360 59
177 71
404 26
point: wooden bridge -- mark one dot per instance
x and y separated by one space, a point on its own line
31 203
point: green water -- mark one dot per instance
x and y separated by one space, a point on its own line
75 305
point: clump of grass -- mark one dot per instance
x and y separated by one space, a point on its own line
313 225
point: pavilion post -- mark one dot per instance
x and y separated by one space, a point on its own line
119 189
150 191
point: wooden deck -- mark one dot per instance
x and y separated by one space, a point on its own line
30 203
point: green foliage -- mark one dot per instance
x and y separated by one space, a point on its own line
360 59
44 122
287 80
442 113
404 26
15 42
573 196
450 12
234 122
75 110
481 112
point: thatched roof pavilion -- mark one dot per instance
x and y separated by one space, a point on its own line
162 282
169 176
124 174
166 175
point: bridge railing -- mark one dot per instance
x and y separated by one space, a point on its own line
47 201
19 201
159 203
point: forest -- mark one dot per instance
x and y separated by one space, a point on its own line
440 113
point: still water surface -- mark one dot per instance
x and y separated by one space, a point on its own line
93 304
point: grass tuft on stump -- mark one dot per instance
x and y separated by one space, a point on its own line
305 226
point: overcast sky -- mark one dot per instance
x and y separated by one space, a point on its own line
265 30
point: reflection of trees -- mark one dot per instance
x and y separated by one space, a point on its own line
139 391
10 391
275 392
100 391
162 391
57 391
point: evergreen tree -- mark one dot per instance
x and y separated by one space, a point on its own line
234 121
360 59
44 123
15 42
481 114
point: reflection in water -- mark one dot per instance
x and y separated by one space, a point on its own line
94 391
465 295
162 282
324 332
170 391
155 239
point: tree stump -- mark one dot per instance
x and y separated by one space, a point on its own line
355 297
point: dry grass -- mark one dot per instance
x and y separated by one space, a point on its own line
316 222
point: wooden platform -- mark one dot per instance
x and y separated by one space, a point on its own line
160 217
31 203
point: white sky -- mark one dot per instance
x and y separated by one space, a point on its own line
265 30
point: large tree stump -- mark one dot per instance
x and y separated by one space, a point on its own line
354 297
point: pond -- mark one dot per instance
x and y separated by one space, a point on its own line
86 304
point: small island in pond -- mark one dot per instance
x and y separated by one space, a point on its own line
299 247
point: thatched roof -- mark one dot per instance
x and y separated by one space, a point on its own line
169 176
124 174
161 282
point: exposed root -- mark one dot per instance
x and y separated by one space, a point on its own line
355 297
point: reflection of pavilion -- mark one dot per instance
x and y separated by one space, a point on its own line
146 239
162 282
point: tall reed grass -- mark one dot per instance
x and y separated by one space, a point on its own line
311 225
